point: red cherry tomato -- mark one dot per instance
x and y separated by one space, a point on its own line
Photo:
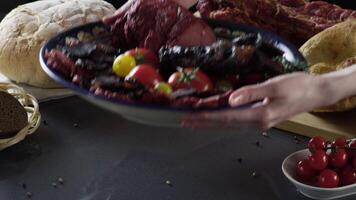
304 171
354 161
352 152
319 160
189 78
348 175
143 56
145 74
328 179
339 142
316 143
339 158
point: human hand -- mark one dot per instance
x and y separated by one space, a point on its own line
279 99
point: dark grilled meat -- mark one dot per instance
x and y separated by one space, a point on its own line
220 57
113 83
241 55
91 55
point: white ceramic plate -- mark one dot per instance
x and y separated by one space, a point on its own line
288 168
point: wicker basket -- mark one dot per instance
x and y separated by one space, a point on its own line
31 106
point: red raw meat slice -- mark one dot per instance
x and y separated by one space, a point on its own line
155 23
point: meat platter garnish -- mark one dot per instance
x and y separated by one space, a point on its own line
186 65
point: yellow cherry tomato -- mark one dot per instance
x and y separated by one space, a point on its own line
123 64
163 87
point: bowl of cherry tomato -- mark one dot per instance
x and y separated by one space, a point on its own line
325 170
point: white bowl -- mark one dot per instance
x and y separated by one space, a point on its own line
288 168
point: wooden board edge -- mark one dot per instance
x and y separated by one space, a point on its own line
308 131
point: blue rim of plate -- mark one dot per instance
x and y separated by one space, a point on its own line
288 48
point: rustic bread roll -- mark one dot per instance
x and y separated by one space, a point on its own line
13 116
25 29
345 104
333 45
330 50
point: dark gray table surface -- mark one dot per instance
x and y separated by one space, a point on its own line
109 158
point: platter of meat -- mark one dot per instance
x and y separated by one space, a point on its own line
157 77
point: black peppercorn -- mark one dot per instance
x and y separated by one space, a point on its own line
254 174
258 143
45 122
265 134
168 182
61 181
29 195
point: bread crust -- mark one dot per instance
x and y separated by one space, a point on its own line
331 50
26 28
13 116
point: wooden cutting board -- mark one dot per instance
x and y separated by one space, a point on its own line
329 125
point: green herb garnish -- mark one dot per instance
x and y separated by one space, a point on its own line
290 67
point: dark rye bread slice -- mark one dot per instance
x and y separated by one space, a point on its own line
13 116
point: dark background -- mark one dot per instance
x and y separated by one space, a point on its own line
6 6
344 3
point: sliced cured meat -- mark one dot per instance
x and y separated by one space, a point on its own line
296 20
155 23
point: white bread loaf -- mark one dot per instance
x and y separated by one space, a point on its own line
26 28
